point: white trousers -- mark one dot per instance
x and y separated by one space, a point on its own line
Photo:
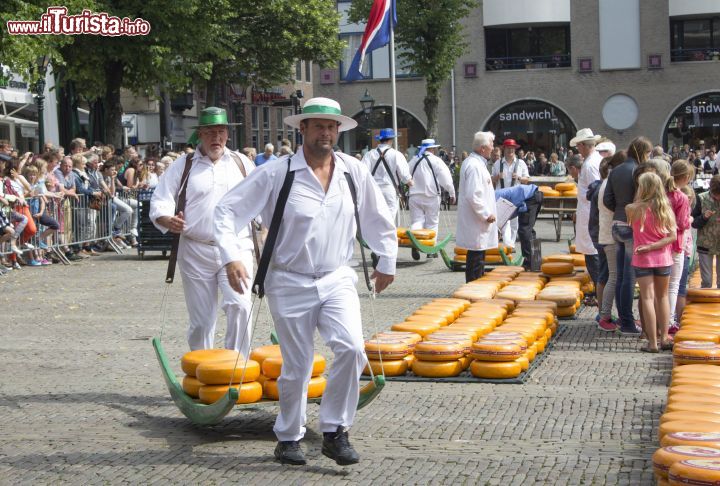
390 196
300 304
510 231
202 276
424 212
674 285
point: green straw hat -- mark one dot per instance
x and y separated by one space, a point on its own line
324 108
209 117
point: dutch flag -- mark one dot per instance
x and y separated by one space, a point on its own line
377 35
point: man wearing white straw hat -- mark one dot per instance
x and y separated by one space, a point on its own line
310 284
430 175
585 142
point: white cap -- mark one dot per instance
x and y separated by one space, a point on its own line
609 146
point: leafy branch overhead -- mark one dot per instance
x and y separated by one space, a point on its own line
431 37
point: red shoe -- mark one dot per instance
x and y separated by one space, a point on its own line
607 325
673 329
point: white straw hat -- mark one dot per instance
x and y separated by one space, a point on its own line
324 108
584 135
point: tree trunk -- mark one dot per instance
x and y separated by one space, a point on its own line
113 108
431 102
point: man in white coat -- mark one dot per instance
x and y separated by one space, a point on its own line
430 175
214 170
476 227
508 172
310 284
585 142
389 167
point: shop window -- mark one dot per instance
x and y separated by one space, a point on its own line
695 40
527 48
308 71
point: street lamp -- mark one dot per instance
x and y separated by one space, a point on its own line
367 103
295 97
42 65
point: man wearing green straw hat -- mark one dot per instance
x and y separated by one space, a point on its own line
310 284
206 175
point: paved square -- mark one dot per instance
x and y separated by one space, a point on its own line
82 400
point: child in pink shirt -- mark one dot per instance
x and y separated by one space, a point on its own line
653 223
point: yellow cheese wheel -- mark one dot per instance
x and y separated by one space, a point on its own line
227 371
695 439
509 335
549 305
465 362
388 349
699 405
435 320
409 359
706 381
537 323
547 316
423 234
694 390
698 368
565 186
528 334
695 471
572 193
568 311
685 415
422 328
448 316
489 369
437 369
551 193
687 426
562 296
524 363
402 232
269 351
690 352
396 367
272 367
689 334
493 259
578 260
541 344
191 386
448 300
408 242
693 398
496 251
459 251
557 268
461 336
191 360
478 330
485 350
439 351
545 189
440 306
411 338
315 389
665 457
248 392
703 295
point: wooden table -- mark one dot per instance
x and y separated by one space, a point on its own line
558 207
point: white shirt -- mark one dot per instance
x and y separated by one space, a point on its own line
317 234
152 180
506 170
207 183
396 162
589 173
606 218
476 202
423 181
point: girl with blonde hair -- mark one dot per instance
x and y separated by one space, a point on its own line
654 230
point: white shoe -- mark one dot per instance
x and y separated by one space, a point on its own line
16 250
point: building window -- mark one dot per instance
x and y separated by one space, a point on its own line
280 127
308 71
353 43
298 71
527 48
289 132
254 124
695 40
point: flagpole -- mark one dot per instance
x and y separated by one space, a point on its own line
392 78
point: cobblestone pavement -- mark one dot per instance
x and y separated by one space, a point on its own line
82 400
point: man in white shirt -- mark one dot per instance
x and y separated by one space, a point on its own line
310 284
585 142
508 172
476 227
430 175
214 170
389 167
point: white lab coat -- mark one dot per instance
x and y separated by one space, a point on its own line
398 166
198 256
309 284
476 202
425 194
589 173
505 171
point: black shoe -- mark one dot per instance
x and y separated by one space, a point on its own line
73 257
289 452
337 447
432 255
415 254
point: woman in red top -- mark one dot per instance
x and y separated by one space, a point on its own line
653 223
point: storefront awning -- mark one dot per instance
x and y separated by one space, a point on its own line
17 121
16 97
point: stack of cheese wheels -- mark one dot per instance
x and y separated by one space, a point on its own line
387 354
548 191
566 297
492 255
460 254
554 269
665 457
424 236
695 471
210 372
558 257
477 290
499 355
272 369
517 292
705 296
527 322
440 358
567 189
694 352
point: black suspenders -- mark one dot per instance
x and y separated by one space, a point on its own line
425 157
382 160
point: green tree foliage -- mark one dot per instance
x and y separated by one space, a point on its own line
432 35
247 41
